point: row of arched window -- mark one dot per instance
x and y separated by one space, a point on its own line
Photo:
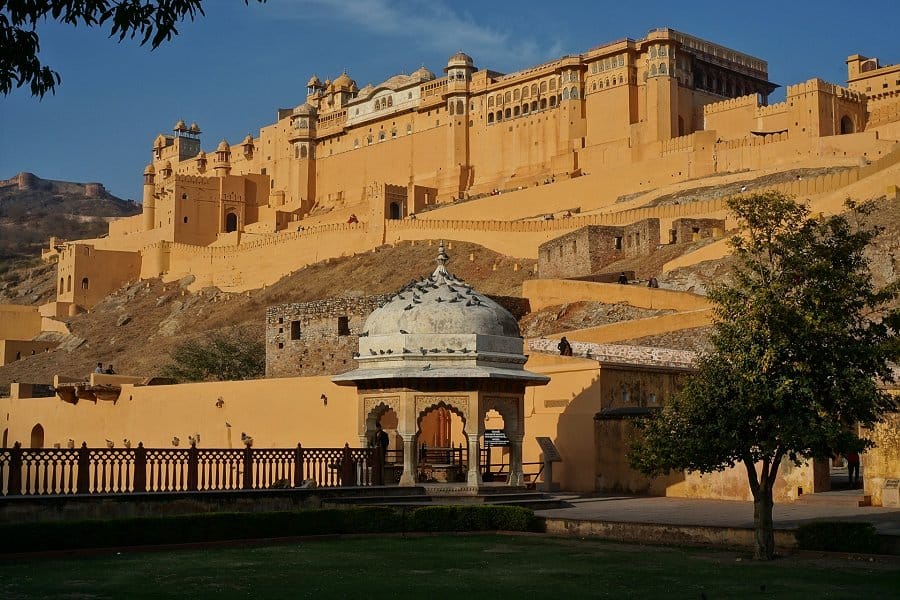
384 102
608 63
525 109
606 83
719 84
85 284
521 93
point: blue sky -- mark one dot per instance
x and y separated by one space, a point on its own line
232 70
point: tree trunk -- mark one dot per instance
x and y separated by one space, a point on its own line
762 521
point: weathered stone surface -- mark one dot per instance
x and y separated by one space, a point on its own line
643 355
169 326
186 281
71 342
123 320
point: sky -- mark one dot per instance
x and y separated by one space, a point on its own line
232 69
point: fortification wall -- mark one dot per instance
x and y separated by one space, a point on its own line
638 328
542 293
19 322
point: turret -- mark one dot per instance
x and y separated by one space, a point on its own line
149 199
222 164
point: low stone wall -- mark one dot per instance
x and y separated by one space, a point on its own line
666 534
642 355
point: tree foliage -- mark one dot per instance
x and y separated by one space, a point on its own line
800 342
220 356
150 21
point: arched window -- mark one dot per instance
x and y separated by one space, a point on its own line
460 107
607 83
490 102
390 101
652 69
356 143
499 115
534 89
662 68
594 87
303 151
452 107
85 283
381 136
499 99
524 92
394 211
69 283
534 105
61 285
5 442
408 128
565 94
490 118
621 79
37 436
507 97
369 139
516 111
574 93
394 132
552 101
543 87
231 222
653 52
507 113
553 84
525 109
516 95
621 61
543 103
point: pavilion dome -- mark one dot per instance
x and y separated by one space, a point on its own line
422 74
194 128
441 304
180 126
304 109
313 82
440 327
149 170
223 146
460 59
343 82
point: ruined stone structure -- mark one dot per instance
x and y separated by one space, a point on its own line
315 338
587 250
690 230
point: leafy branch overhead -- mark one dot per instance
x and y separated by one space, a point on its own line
151 21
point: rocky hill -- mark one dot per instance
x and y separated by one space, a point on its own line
34 209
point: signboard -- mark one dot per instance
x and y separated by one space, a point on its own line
495 438
551 454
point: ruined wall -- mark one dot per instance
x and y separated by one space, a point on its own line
311 338
690 230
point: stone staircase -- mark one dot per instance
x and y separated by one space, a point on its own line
438 494
853 498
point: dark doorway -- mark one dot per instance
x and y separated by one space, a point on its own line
230 222
846 125
394 211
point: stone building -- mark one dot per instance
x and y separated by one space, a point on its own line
690 230
314 338
587 250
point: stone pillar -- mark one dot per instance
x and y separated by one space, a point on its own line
474 475
516 478
408 479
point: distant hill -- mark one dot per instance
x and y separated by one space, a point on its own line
34 209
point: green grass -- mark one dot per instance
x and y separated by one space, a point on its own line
470 566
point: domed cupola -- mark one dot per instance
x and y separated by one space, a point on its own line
440 327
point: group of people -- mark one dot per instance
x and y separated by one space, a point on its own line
653 282
107 371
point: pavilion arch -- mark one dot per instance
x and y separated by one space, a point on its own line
508 408
37 436
423 410
85 283
847 125
375 410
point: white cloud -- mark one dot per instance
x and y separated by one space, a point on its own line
430 25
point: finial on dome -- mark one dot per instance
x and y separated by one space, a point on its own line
441 275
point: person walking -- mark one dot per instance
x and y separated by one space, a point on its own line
853 468
564 347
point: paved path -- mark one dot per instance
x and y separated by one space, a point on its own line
721 513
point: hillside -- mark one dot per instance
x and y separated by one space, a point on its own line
34 209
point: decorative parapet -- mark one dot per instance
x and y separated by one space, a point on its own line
731 104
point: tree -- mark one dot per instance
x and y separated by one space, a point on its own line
220 356
153 21
800 340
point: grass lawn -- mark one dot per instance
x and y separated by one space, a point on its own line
471 566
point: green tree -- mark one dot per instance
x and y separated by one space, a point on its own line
151 21
220 356
800 340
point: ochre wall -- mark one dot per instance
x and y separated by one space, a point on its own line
18 322
542 293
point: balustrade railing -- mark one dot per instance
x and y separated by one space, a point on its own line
61 472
